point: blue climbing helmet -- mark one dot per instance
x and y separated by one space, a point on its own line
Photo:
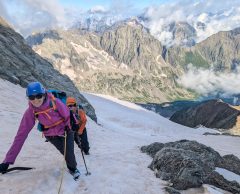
34 88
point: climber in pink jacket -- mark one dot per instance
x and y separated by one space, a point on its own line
54 117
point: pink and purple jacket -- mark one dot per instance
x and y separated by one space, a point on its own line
28 122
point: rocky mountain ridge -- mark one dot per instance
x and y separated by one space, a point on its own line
220 52
125 61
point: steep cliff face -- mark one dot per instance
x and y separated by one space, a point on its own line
132 45
21 65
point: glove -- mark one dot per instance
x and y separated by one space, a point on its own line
3 167
75 127
78 140
66 128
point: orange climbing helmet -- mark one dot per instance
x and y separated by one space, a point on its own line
71 100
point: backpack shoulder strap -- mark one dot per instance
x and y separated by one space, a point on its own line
52 106
82 115
53 102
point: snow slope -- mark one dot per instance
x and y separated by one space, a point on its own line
116 164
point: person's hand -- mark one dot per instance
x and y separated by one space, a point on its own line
66 128
78 141
75 127
3 167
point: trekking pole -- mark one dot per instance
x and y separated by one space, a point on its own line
87 173
64 158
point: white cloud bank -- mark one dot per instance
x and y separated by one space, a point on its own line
207 82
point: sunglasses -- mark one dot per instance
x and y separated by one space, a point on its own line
38 96
72 105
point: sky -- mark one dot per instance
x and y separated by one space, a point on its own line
29 16
87 5
116 163
32 15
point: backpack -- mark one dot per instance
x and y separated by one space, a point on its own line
56 94
83 120
59 94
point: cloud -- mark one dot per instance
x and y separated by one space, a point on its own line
98 9
29 16
36 15
208 82
214 15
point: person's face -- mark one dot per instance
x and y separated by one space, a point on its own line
73 107
36 100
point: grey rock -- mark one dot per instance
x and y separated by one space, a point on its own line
182 167
152 149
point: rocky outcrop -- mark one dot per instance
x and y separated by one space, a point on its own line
211 113
189 164
21 65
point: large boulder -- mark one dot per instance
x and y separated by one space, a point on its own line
21 65
189 164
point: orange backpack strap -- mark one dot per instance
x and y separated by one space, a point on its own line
54 124
83 121
44 112
82 115
53 102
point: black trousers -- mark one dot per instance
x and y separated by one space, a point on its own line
82 140
59 142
